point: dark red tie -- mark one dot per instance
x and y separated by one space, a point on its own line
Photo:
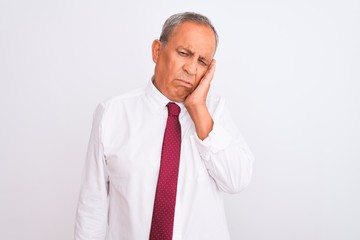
164 206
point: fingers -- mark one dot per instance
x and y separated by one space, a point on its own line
209 73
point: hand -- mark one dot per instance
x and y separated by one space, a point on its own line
198 96
195 104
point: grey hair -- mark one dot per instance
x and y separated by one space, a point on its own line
175 20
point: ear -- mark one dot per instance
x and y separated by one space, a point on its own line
156 47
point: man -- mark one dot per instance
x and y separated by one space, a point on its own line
122 194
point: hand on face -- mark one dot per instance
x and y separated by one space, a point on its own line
195 104
198 97
189 50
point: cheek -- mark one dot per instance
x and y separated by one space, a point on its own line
200 75
171 66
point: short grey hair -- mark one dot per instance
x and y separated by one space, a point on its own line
175 20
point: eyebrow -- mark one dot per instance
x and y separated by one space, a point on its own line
187 50
192 54
204 60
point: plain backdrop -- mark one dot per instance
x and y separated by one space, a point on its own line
289 70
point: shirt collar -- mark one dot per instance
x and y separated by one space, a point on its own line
159 101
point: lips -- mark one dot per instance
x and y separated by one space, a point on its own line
184 83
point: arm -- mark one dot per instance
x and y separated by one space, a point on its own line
225 154
220 144
196 106
92 212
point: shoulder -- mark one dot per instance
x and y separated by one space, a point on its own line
124 98
214 102
218 107
119 102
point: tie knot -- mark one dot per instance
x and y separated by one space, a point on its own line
173 109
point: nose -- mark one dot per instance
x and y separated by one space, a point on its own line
191 66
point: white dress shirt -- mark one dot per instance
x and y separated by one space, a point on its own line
122 165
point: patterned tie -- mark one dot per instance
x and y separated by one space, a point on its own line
164 206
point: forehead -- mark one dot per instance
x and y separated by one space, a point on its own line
196 37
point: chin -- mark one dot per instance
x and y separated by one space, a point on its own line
181 96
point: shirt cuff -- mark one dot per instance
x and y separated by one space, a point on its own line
219 138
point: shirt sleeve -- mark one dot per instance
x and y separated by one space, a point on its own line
92 212
225 153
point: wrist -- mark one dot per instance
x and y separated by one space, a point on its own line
202 120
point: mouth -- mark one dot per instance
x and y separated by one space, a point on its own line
184 83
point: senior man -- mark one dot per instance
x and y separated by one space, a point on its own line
160 158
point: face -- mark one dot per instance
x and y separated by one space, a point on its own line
184 60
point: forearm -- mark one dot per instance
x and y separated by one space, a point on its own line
202 120
91 218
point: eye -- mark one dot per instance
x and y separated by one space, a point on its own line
183 53
203 62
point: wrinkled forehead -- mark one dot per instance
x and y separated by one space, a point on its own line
194 37
191 24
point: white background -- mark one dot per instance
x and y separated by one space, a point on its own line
289 69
